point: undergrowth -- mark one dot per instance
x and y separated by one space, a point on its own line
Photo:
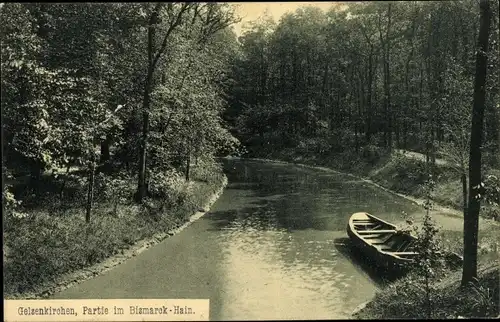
41 243
448 302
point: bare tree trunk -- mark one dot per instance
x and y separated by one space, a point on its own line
188 161
90 191
369 107
142 188
471 221
464 191
388 128
433 146
141 185
105 155
428 296
61 192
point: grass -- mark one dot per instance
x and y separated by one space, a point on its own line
407 176
405 298
52 238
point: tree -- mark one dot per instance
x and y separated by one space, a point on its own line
428 247
385 43
456 102
175 14
65 69
471 221
187 32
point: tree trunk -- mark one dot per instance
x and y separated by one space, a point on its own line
369 108
263 76
387 82
141 185
471 221
36 170
105 156
420 96
464 191
428 296
408 99
405 135
433 146
188 162
90 191
61 192
359 117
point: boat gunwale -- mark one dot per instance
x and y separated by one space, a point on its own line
393 255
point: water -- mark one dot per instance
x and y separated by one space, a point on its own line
273 246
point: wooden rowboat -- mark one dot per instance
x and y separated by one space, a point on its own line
381 241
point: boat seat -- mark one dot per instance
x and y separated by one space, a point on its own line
376 231
403 246
374 235
371 236
370 227
381 241
404 253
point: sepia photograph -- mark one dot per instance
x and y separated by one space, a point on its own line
196 161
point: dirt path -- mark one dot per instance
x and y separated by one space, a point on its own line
420 156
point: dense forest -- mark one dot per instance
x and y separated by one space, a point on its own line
372 76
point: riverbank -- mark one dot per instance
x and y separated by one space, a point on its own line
47 253
402 173
449 300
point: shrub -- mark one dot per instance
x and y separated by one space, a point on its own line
40 245
408 175
492 190
166 185
481 299
428 246
313 146
207 170
372 153
117 189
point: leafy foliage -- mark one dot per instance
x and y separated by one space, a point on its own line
73 80
363 74
429 248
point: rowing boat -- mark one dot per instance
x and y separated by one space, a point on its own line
381 241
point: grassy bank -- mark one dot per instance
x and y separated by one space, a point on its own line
49 237
406 298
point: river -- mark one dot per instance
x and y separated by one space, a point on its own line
273 246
